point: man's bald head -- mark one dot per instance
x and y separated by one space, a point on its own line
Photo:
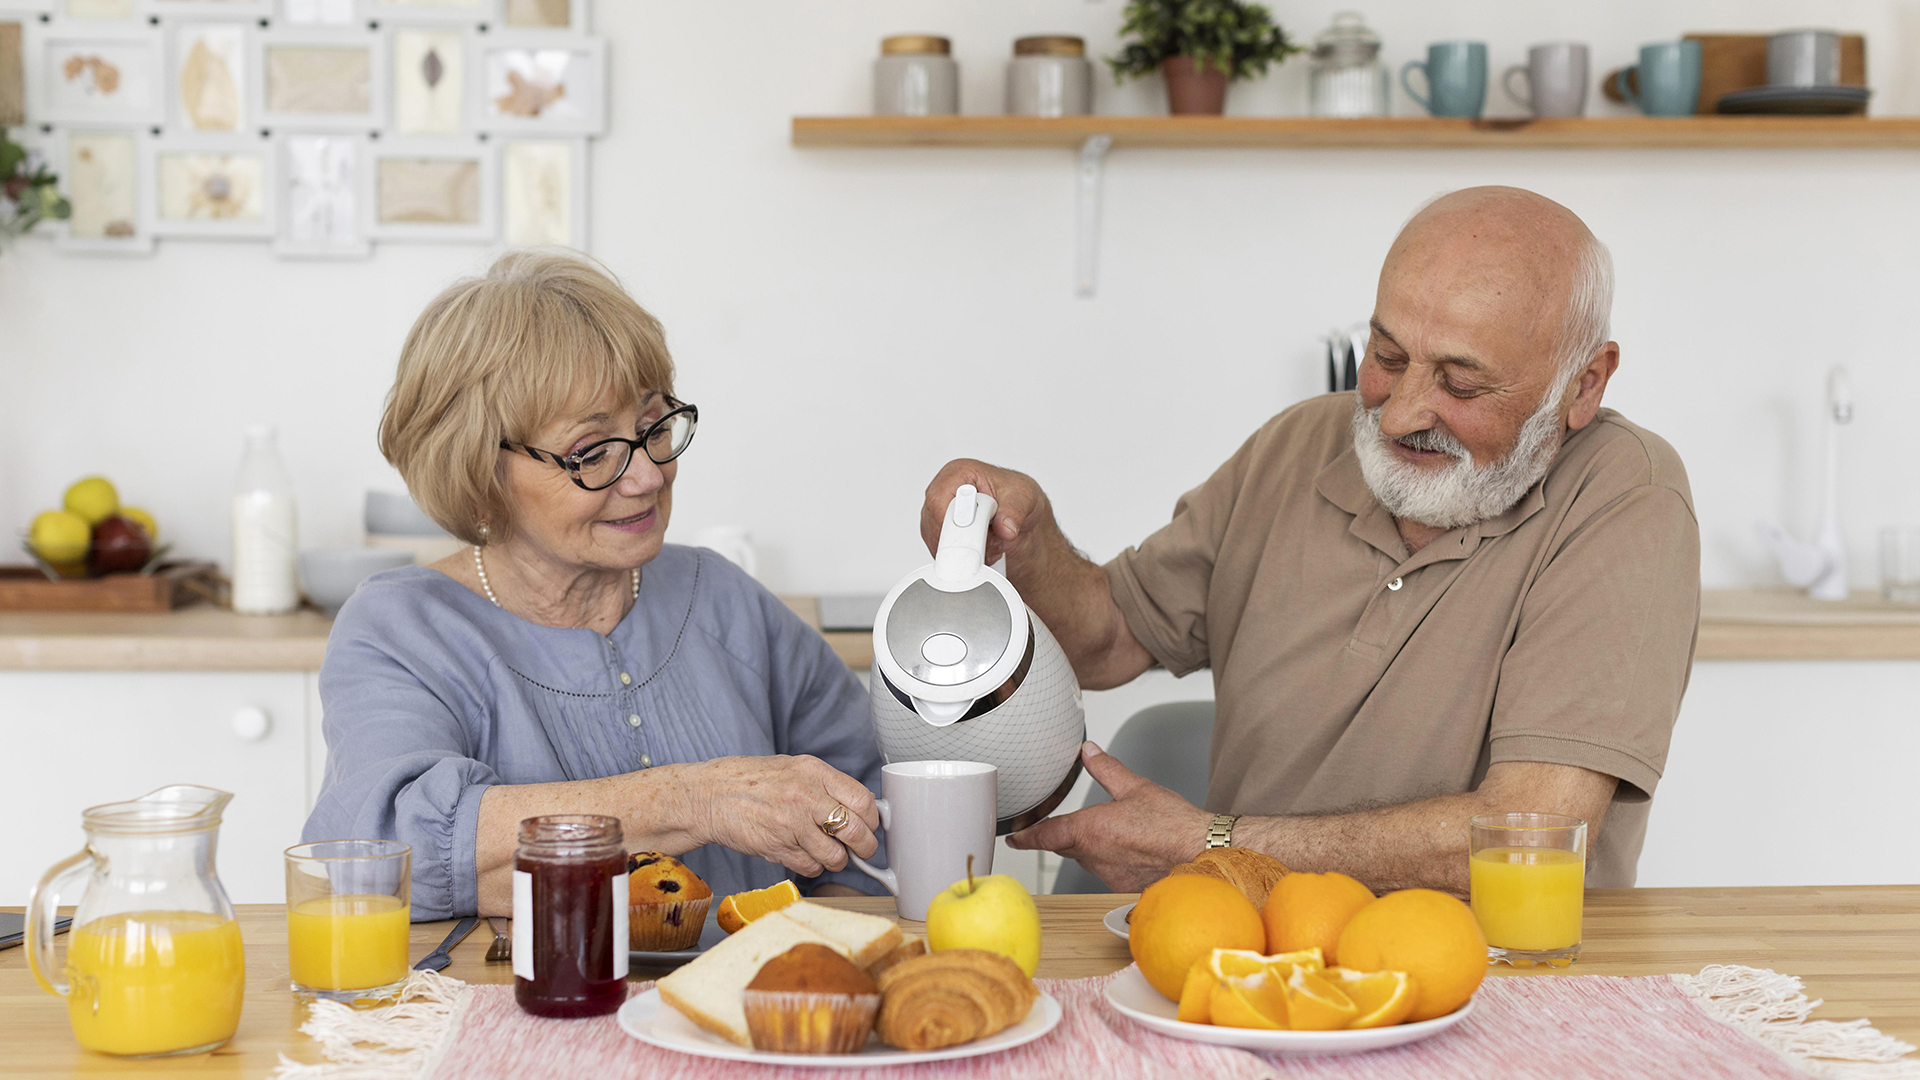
1532 262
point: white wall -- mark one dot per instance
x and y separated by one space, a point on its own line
848 320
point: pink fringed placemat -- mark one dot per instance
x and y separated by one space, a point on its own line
1725 1022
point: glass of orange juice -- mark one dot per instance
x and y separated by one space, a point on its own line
348 907
1528 876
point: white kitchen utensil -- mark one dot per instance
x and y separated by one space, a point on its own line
1820 567
962 671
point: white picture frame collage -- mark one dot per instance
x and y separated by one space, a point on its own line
319 126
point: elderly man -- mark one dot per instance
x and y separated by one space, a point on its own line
1466 589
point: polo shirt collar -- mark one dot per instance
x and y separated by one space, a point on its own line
1343 484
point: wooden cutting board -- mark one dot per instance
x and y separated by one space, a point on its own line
1730 62
172 585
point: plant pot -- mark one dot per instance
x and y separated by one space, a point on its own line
1193 90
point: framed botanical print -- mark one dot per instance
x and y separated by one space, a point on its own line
103 175
209 186
430 73
532 84
537 15
543 192
94 74
233 9
470 12
325 196
332 80
320 12
208 77
434 189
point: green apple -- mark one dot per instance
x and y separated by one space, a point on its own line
994 913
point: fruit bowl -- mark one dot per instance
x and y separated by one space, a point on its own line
78 571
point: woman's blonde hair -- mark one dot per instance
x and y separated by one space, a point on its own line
500 357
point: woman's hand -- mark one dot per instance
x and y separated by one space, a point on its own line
773 806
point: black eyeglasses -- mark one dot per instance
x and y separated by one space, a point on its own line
602 464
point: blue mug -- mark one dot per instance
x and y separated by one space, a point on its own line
1668 76
1456 74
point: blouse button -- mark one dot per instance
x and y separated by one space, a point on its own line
626 679
1392 586
634 720
646 761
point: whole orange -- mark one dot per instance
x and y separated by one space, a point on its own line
1182 919
1305 910
1426 934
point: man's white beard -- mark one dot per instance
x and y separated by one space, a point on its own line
1461 493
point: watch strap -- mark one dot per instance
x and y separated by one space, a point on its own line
1220 833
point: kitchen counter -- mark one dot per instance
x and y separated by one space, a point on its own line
1858 948
1735 624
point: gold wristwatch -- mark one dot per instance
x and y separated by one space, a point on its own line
1220 833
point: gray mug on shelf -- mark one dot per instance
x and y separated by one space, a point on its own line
1556 77
1456 74
1804 58
1668 76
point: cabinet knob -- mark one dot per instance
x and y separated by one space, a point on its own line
251 723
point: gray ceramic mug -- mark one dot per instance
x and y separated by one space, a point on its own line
1804 58
1456 74
936 813
1556 77
1668 76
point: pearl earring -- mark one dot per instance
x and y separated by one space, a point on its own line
484 531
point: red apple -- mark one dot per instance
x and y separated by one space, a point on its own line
119 545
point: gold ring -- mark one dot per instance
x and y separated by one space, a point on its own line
836 822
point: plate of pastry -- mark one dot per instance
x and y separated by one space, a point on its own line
811 985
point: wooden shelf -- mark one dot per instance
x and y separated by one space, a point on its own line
1306 133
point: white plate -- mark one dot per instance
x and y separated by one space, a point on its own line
1116 921
651 1020
1134 996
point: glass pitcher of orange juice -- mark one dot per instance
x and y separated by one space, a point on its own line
154 965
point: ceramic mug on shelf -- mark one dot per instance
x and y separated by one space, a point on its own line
1804 58
936 813
1456 74
1556 77
1666 81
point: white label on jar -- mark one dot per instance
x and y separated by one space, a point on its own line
522 925
620 924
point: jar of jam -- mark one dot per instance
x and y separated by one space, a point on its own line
570 916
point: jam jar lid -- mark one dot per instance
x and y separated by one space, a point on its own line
1347 41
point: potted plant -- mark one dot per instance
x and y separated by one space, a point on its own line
1200 46
27 192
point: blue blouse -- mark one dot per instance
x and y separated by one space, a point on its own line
431 694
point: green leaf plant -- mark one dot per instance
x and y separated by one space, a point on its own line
1234 38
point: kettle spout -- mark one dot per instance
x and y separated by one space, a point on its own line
941 713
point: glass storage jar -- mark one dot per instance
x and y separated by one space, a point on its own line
1049 76
916 76
1347 77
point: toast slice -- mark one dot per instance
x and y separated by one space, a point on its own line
866 938
709 991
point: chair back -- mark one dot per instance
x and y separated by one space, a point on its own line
1167 744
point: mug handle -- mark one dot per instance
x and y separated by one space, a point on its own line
885 877
41 905
1506 83
1628 79
1407 69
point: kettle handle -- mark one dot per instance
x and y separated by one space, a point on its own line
963 535
42 903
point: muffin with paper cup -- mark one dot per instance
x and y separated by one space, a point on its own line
666 903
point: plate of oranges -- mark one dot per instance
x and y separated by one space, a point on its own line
1322 966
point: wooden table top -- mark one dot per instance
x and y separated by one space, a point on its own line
1858 947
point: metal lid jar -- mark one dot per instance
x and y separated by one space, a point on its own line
916 76
1347 78
1049 76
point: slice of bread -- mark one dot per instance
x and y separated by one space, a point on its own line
710 990
867 937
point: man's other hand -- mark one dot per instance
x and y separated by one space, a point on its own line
1128 843
1023 506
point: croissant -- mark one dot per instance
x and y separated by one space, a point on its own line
951 997
1252 873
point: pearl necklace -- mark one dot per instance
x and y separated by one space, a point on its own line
482 568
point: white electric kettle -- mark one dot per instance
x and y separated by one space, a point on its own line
962 671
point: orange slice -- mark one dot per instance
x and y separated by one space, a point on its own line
1196 997
1283 963
1250 1001
1314 1004
1235 963
740 909
1383 998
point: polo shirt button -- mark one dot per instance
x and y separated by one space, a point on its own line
1392 586
646 761
634 720
626 679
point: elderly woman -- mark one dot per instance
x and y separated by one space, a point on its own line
570 660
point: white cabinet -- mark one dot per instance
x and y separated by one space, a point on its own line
77 739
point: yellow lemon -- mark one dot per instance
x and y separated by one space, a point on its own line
60 537
1314 1004
1384 998
93 499
1253 1001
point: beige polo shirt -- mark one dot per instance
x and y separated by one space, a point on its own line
1350 674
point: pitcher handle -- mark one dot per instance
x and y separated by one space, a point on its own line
42 904
885 877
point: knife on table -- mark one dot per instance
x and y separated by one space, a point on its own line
438 959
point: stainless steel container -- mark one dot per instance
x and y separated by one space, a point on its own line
916 76
1049 76
1347 77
